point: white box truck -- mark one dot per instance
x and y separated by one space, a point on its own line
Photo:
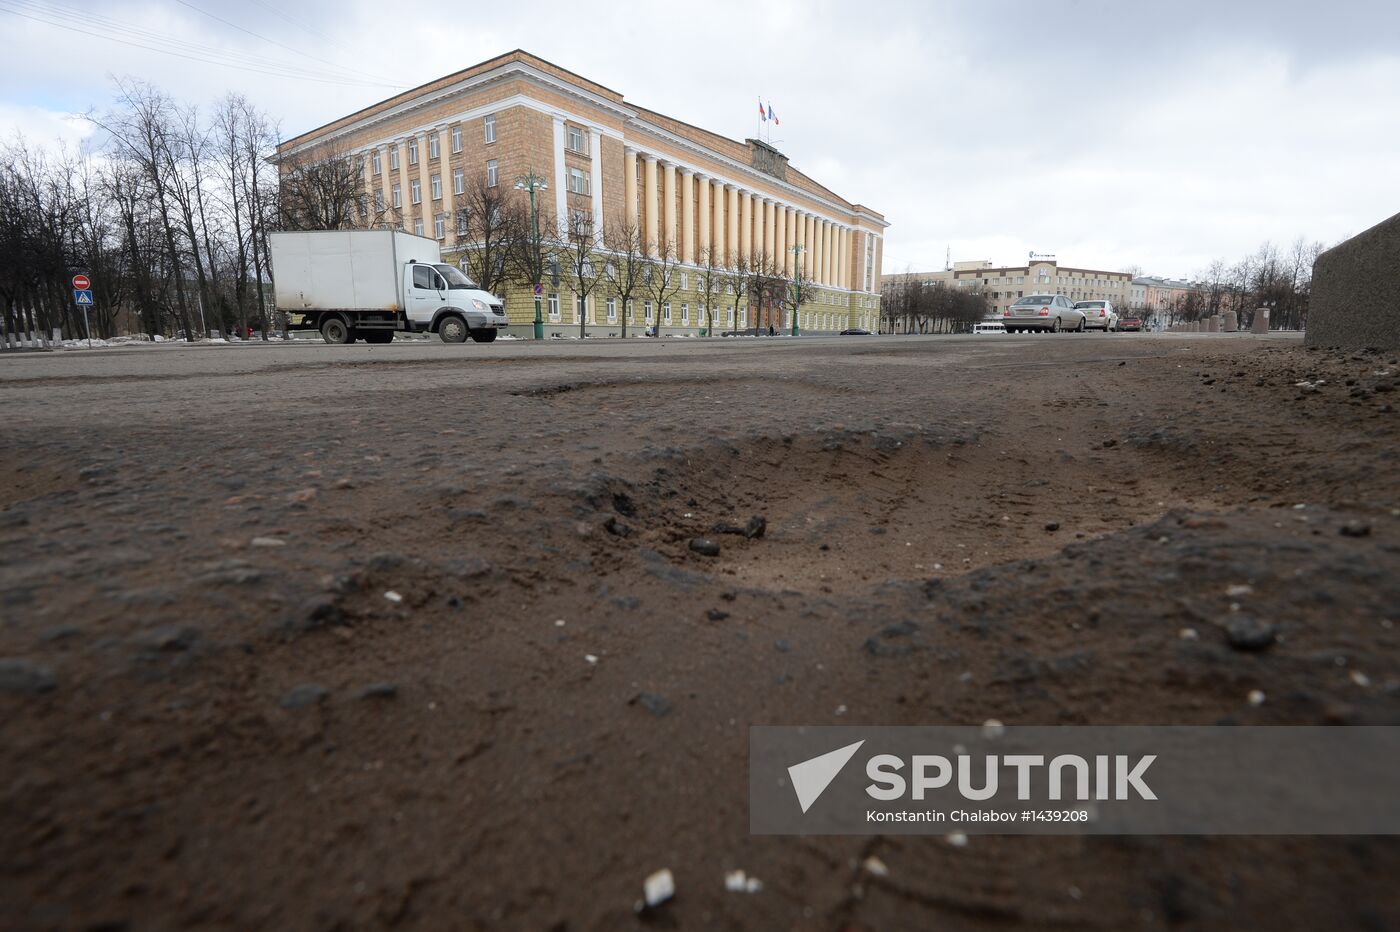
366 284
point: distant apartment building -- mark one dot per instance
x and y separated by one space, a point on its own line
607 162
1162 298
1003 285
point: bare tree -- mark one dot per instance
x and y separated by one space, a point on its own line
625 266
661 280
489 222
710 279
578 253
324 189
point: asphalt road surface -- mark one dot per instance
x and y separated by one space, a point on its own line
301 636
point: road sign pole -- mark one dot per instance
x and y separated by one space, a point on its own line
82 296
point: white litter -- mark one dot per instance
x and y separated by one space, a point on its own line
1256 697
739 882
659 887
268 542
875 867
393 596
992 729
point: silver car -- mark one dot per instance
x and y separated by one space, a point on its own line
1102 315
1052 312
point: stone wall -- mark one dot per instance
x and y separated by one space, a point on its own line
1355 298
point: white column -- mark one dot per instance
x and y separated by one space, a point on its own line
629 185
721 230
445 179
731 217
703 192
668 210
561 190
649 205
595 149
687 216
384 178
746 225
759 228
425 188
780 242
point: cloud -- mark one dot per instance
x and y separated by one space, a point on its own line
1150 133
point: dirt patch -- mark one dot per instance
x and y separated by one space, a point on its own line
361 667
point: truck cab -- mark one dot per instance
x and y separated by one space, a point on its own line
439 298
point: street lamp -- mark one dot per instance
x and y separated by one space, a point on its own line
532 182
797 250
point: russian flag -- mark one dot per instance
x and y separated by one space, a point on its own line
762 113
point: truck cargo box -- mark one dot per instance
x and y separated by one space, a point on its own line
353 270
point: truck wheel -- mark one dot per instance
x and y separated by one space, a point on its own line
335 330
484 335
453 329
379 336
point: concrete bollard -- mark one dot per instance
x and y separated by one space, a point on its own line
1261 321
1213 324
1229 322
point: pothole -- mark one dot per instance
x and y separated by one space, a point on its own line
849 515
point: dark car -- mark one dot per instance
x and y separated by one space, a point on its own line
856 332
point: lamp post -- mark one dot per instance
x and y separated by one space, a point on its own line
797 251
532 182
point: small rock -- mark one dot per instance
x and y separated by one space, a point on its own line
590 658
25 677
168 638
379 691
302 495
1238 590
393 596
1188 634
739 882
704 546
1052 525
622 504
716 614
1245 633
1360 679
757 526
1256 697
655 704
957 839
268 542
875 867
1355 529
386 560
616 528
304 695
658 888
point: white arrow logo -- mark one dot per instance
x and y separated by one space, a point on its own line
811 777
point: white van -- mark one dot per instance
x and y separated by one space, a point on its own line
990 326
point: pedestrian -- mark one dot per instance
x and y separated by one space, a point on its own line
771 331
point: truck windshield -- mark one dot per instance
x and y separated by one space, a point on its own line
455 279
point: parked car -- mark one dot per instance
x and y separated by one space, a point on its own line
1052 312
856 332
989 326
1130 323
1101 315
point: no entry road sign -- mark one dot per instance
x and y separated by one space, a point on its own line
81 283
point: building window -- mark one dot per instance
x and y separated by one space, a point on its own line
459 181
685 313
575 139
666 311
394 157
433 146
462 217
612 309
415 192
440 226
554 307
456 139
490 127
437 187
685 281
413 152
378 200
646 308
397 196
492 174
579 182
418 226
374 161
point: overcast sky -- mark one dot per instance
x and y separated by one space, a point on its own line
1110 134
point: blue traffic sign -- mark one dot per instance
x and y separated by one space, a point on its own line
82 297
